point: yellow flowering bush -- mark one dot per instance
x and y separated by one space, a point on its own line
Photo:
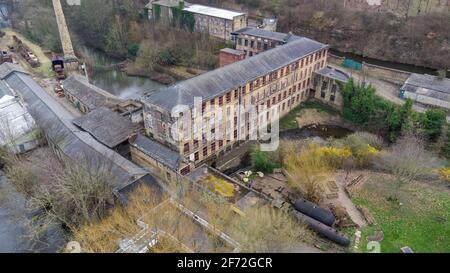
334 155
445 173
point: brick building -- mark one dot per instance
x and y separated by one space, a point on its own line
253 41
270 84
325 87
228 56
86 96
217 22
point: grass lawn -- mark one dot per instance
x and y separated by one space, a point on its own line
290 120
46 64
422 222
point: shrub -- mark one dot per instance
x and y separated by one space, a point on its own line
308 170
359 102
262 162
433 123
133 49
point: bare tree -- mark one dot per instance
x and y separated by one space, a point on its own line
407 161
264 229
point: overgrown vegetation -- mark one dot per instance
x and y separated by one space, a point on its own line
253 231
61 193
363 107
119 29
307 168
262 162
407 161
420 40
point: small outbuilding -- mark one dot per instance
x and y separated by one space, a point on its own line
18 131
326 88
108 127
427 89
86 96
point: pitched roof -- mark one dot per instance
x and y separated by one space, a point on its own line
227 78
77 145
106 126
5 90
232 51
267 34
429 86
165 3
8 68
214 12
333 73
157 151
89 94
429 82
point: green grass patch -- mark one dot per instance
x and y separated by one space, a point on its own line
320 107
422 222
290 120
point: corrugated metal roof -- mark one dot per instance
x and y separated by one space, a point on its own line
225 79
428 86
429 82
157 151
77 145
106 126
89 94
215 12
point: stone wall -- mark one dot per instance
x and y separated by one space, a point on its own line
387 74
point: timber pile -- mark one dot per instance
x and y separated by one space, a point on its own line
343 219
366 214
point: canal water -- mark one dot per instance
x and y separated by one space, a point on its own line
123 86
393 65
115 81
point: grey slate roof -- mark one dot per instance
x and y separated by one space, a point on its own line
89 94
225 79
8 68
428 85
167 3
4 89
333 73
157 151
232 51
106 126
77 145
267 34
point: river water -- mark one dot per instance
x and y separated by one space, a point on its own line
115 81
120 84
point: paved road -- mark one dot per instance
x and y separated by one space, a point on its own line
385 89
